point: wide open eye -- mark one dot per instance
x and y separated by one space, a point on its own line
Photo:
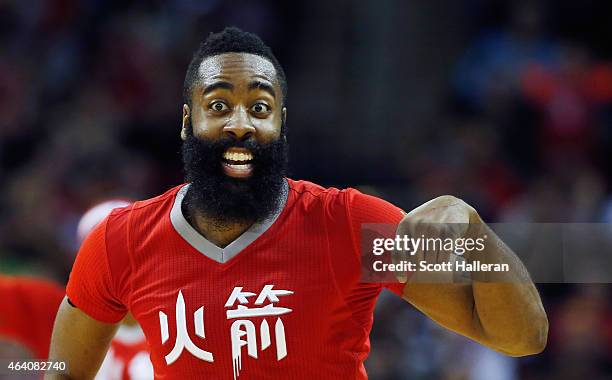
260 108
218 106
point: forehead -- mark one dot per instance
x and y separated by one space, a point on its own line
236 66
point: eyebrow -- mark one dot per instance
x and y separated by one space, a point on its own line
262 86
218 85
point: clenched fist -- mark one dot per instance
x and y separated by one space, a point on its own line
438 230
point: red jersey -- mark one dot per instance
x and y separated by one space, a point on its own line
29 307
128 357
28 312
283 301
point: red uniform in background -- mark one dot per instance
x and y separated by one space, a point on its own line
128 357
27 315
28 311
282 301
29 307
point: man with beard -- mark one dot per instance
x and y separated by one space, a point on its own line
244 273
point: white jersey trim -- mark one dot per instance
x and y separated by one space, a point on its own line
207 248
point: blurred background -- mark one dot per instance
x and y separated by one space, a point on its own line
507 104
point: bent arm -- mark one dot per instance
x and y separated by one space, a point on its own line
502 311
80 341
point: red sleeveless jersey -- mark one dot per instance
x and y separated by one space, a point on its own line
288 305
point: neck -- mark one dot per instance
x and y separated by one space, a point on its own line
219 232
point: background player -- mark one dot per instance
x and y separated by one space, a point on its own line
31 304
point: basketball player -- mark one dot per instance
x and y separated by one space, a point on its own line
242 273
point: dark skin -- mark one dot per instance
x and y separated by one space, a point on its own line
501 311
238 95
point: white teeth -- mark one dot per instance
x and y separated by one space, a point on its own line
241 167
234 156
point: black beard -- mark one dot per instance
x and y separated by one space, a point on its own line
228 200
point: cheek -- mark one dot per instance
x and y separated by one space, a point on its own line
268 129
204 126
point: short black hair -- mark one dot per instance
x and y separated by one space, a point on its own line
231 40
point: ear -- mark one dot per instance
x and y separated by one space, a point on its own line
185 121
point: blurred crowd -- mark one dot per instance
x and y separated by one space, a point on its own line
516 121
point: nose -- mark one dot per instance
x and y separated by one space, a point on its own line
239 126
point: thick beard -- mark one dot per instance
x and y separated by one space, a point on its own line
227 200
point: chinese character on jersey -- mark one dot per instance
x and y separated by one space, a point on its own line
243 331
183 342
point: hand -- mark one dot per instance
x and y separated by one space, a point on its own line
445 217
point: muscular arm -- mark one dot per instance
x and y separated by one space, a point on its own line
80 341
502 311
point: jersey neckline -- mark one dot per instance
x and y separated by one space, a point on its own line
209 249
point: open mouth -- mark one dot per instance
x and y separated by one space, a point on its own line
237 163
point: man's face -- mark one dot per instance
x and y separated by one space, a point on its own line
237 97
234 154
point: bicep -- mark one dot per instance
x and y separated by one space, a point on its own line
80 341
450 305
